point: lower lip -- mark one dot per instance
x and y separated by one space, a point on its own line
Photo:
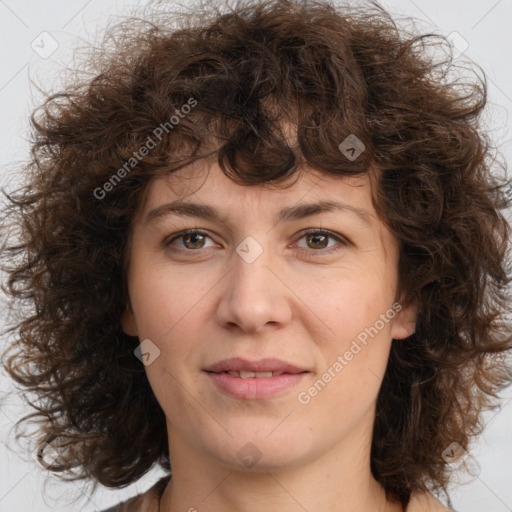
255 388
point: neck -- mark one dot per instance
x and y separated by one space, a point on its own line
247 493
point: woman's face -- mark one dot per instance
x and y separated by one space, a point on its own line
253 286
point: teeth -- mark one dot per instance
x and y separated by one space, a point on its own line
250 375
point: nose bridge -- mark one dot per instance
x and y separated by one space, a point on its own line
254 296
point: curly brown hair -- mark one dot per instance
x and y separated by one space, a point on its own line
331 71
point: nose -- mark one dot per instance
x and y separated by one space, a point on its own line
255 296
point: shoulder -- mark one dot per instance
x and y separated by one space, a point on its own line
146 502
425 502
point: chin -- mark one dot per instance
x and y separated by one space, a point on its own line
263 449
255 458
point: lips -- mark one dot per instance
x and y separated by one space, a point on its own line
251 375
254 380
243 367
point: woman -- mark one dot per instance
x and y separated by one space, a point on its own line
265 249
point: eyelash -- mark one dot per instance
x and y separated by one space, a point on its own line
343 241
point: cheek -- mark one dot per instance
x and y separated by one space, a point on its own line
170 309
162 299
347 306
356 337
169 318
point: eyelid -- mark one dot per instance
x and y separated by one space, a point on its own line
179 234
323 231
342 240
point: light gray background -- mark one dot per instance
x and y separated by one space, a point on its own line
482 29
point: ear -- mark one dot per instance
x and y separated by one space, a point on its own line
128 321
404 323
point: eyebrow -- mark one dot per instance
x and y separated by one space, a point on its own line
300 211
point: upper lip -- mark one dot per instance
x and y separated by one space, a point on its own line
262 365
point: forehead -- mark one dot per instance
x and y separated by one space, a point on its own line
203 182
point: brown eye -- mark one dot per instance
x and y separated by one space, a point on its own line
191 240
195 239
318 240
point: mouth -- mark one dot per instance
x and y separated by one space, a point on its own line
256 380
245 368
258 375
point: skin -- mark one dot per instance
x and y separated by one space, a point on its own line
199 302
